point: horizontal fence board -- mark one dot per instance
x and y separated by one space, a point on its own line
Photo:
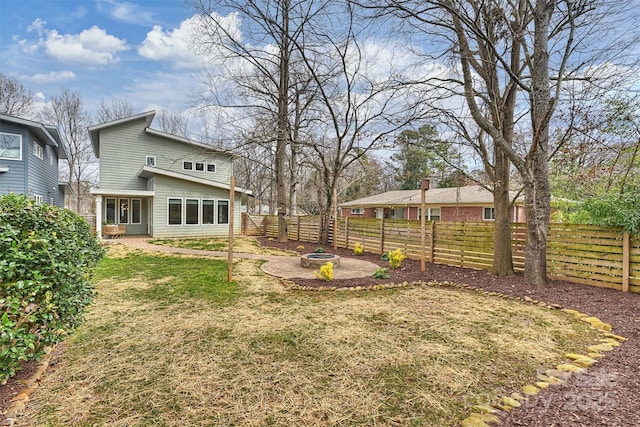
579 253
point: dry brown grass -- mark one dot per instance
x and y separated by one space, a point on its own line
413 356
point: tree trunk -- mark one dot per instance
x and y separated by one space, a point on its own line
502 252
283 124
536 185
537 205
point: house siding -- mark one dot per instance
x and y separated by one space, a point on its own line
166 188
31 175
124 149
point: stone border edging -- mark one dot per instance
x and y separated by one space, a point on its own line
481 415
19 401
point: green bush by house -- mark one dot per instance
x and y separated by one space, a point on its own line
47 256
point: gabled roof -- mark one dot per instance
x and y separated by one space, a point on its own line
468 195
47 133
94 132
149 171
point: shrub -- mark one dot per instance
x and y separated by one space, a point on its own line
47 257
319 250
384 256
326 272
395 258
358 249
299 247
381 273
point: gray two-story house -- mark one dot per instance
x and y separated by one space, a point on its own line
29 154
161 185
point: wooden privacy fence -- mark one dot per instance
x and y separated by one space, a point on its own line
578 253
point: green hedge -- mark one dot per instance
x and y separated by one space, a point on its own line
47 256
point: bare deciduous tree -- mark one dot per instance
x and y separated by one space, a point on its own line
15 100
116 109
512 61
67 113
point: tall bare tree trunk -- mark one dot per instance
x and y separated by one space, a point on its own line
283 124
536 186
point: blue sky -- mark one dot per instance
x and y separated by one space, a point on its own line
103 49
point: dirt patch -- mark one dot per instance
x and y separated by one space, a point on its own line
606 395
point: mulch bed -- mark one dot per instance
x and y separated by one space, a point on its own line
605 395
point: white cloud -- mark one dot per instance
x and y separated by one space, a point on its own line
51 76
38 25
177 46
171 46
91 47
128 12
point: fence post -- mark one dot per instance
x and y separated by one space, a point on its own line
626 259
346 232
431 240
382 235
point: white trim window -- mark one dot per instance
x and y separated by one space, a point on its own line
123 205
199 167
211 167
174 211
38 151
187 165
223 212
150 161
136 211
38 199
357 211
191 211
208 211
10 146
489 214
110 210
433 214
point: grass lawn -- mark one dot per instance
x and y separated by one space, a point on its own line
169 342
240 244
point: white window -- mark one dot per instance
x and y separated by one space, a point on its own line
175 211
211 167
223 212
489 214
191 211
200 166
151 161
110 216
136 211
187 165
38 151
433 214
357 211
10 146
124 211
208 211
38 199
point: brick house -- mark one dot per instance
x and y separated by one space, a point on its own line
469 203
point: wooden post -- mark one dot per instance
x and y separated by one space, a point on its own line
346 232
626 259
431 240
335 220
423 190
232 199
381 235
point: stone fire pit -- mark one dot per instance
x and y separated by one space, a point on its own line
316 260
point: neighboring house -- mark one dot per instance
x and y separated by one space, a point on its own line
29 154
161 185
470 203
